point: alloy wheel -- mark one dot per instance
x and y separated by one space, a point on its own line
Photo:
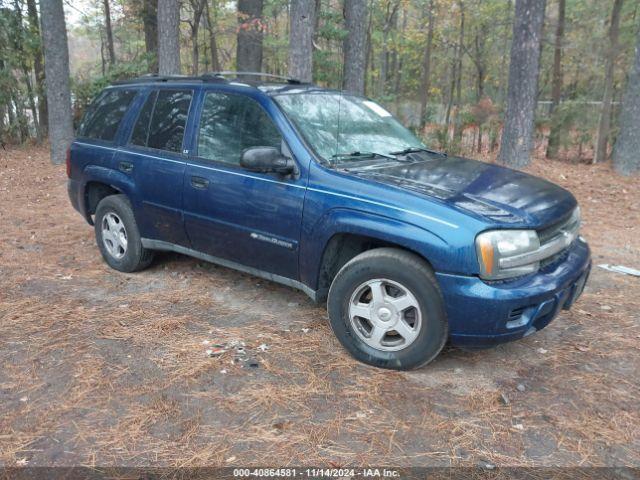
385 315
114 235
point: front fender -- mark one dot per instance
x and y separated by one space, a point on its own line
442 254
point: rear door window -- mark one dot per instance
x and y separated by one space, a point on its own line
103 117
169 120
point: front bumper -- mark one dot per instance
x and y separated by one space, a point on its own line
483 314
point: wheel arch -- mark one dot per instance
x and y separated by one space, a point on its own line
343 234
102 182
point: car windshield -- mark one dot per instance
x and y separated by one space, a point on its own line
346 128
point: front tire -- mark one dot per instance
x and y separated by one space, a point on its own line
118 237
386 309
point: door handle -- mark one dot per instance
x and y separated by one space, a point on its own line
199 182
126 167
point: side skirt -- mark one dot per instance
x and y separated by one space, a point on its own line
171 247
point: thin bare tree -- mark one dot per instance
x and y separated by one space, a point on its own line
556 87
425 76
38 67
109 31
198 7
210 25
149 15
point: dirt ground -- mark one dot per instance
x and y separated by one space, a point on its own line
104 368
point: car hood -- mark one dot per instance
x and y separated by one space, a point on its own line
498 194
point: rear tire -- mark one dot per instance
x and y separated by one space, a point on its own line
118 237
386 309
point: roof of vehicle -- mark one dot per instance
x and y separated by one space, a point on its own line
267 83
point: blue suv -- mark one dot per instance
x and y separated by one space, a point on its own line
328 193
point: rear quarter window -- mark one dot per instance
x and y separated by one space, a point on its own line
102 119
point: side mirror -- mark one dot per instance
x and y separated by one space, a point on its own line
266 160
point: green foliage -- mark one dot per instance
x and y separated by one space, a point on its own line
439 138
17 45
574 122
85 89
327 61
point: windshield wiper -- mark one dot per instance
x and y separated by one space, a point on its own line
416 150
361 155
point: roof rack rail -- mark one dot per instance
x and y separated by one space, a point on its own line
226 73
205 77
154 77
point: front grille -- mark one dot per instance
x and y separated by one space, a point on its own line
554 258
567 224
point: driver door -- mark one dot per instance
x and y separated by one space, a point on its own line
249 218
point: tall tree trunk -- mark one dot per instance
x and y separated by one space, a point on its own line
57 78
368 61
604 126
210 24
355 46
517 137
626 156
425 77
392 8
107 24
479 60
168 37
38 67
249 43
399 64
150 23
457 128
302 21
556 84
197 6
505 51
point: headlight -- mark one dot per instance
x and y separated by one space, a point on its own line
500 251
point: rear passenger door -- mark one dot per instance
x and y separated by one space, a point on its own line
249 218
155 157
